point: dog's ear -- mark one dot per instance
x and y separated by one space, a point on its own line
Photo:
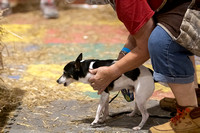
77 62
79 58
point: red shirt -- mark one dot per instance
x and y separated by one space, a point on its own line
133 13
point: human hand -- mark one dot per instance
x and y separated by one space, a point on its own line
103 76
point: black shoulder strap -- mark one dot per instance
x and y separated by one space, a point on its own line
114 97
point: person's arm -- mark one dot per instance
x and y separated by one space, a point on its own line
140 53
105 75
130 44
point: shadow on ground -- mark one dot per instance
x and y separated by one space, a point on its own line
10 100
121 120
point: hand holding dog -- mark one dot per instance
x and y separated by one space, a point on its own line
103 76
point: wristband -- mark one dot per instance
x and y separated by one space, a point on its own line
125 51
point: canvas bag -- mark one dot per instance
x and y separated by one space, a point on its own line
190 29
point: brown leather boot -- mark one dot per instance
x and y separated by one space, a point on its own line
187 120
169 104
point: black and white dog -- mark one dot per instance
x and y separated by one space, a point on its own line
139 80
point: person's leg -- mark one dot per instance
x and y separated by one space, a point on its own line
185 94
173 66
169 103
187 90
49 9
5 6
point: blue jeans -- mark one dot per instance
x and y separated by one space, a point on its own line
171 62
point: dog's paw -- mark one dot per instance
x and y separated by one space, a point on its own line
95 125
131 114
136 128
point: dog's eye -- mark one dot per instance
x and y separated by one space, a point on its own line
71 76
64 73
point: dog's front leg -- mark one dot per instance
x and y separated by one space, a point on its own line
102 108
105 112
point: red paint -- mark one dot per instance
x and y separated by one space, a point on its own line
95 34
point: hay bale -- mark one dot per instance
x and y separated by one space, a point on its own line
10 98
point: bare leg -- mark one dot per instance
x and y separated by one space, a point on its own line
185 94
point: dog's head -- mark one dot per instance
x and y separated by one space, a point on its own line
71 71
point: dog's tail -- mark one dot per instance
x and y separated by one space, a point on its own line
164 84
152 74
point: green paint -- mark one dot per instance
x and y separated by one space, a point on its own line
92 94
69 52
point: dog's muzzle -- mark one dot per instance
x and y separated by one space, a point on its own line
60 82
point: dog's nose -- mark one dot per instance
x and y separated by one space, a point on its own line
57 81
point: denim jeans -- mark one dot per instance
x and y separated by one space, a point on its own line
171 62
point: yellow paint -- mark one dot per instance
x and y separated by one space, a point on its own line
148 66
50 72
43 71
162 88
21 33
